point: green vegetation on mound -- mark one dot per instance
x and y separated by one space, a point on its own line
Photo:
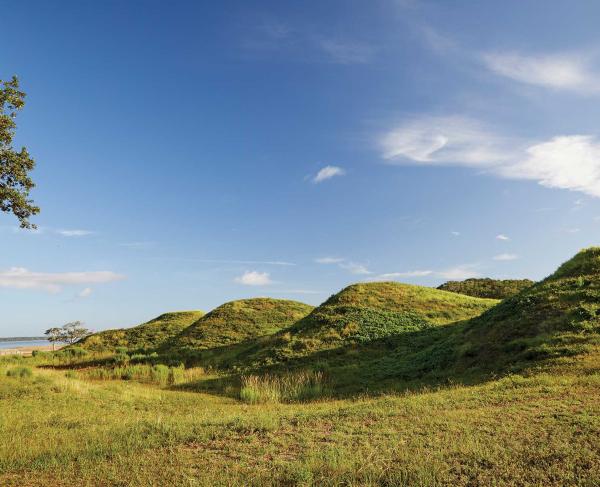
556 317
487 288
391 336
146 336
238 321
358 315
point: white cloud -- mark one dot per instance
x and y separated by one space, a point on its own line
74 233
454 273
456 234
566 71
85 293
572 230
138 245
21 278
458 273
249 262
355 268
328 172
502 237
352 267
254 278
397 275
345 52
506 257
444 140
328 260
567 162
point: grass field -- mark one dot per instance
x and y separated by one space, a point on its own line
384 384
537 429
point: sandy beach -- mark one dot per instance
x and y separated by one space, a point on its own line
26 351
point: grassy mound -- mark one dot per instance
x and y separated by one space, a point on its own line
386 336
487 288
238 321
559 316
146 336
361 314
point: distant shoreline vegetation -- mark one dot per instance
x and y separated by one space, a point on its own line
21 339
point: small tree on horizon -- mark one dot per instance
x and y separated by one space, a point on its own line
70 333
74 331
54 335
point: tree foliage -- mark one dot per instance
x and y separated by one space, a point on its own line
15 165
69 333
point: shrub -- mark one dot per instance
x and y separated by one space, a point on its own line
19 372
120 358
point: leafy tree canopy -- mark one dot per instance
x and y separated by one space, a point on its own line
15 165
69 333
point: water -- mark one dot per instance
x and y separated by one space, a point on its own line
27 343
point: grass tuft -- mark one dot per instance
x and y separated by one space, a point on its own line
291 387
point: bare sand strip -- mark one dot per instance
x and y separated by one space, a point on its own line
26 351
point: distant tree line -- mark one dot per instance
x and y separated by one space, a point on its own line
487 288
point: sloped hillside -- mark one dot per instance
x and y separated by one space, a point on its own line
559 316
238 321
146 336
383 336
487 288
363 313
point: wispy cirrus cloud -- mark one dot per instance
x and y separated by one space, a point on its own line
85 292
254 278
271 36
576 72
505 257
142 244
328 172
329 260
74 233
355 268
347 265
21 278
346 52
246 262
398 275
459 272
502 237
569 162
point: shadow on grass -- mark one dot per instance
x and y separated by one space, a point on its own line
395 364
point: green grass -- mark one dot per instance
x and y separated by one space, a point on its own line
290 387
146 336
359 315
384 384
487 288
238 321
535 429
19 372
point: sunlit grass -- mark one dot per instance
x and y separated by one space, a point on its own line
290 387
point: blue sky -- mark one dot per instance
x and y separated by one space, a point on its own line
200 152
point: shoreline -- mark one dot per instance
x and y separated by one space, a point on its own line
26 351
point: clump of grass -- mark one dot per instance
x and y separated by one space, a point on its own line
299 386
19 372
152 374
